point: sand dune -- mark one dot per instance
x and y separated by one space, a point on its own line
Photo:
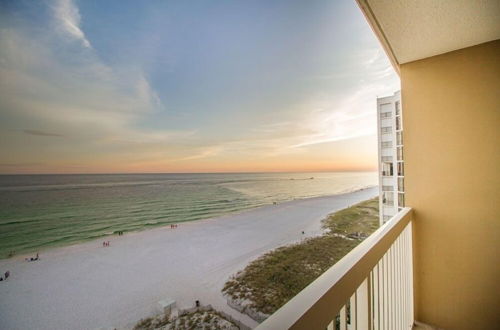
88 286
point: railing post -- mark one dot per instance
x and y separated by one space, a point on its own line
363 305
410 269
376 297
343 319
353 313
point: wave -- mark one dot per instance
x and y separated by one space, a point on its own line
20 221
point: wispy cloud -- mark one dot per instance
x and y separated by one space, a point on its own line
41 133
98 105
203 153
19 164
68 20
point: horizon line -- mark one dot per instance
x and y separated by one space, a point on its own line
235 172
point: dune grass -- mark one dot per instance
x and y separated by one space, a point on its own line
200 319
270 281
362 218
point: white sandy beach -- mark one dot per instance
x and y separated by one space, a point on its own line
88 286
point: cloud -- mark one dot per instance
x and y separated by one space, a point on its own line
204 153
41 133
83 96
68 21
55 81
19 164
52 86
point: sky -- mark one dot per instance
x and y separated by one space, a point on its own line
188 86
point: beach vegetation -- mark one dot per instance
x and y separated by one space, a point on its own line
197 319
144 324
268 282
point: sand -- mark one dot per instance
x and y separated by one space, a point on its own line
87 286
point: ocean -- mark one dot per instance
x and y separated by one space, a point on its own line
42 211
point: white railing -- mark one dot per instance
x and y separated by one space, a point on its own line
370 288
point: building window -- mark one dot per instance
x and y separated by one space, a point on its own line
399 152
387 188
401 184
387 169
387 158
398 108
401 169
399 138
399 126
385 115
386 144
388 198
401 199
386 130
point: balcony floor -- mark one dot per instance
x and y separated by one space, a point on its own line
423 326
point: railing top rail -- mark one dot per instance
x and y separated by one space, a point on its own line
313 307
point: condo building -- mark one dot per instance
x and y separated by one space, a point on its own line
390 156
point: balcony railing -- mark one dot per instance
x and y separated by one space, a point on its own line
370 288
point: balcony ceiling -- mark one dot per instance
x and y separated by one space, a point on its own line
415 29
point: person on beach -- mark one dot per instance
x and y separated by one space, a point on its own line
7 274
32 258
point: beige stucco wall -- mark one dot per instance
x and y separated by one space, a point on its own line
451 109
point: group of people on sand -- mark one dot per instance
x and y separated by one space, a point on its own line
105 243
120 233
172 226
36 258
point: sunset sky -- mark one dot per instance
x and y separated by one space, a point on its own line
188 86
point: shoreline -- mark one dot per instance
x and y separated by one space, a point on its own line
86 285
149 227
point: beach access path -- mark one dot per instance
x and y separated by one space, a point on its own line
88 286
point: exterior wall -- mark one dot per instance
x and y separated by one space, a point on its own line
387 133
452 155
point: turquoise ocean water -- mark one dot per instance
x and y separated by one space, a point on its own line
40 211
